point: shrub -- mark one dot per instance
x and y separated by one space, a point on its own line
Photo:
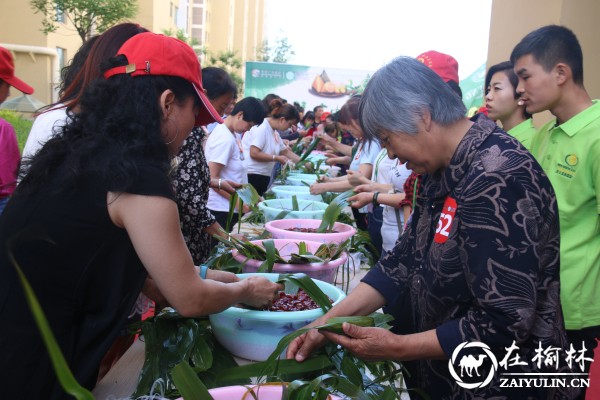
22 125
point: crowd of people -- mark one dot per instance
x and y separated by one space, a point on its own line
488 228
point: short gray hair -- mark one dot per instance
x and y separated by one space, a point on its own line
398 94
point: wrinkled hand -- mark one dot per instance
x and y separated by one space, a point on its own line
360 199
325 137
323 178
356 178
260 291
369 344
221 276
302 347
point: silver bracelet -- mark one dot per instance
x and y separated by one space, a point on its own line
220 183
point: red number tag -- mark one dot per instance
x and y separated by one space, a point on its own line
445 222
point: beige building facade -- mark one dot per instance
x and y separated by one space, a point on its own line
228 25
511 20
39 57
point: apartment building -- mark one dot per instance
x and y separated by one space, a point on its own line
217 25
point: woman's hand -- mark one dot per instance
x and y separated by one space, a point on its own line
282 159
317 188
226 185
221 276
357 178
366 187
369 344
360 200
302 347
260 291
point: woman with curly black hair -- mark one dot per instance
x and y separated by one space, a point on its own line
96 214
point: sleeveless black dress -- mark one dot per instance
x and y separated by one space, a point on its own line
84 271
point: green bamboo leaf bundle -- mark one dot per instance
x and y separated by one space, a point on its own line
188 383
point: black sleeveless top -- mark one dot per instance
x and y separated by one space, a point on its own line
84 271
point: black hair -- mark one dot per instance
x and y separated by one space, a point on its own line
268 99
253 109
117 129
315 108
69 72
298 107
550 45
308 115
508 69
455 87
217 83
350 110
282 110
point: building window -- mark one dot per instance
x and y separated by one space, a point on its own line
59 15
175 12
61 57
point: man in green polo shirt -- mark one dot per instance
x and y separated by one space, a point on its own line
549 64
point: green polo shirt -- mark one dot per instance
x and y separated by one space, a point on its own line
524 133
570 155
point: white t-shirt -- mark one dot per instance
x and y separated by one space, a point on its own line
389 229
43 129
223 147
366 154
268 141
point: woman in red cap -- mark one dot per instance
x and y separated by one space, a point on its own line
9 148
96 214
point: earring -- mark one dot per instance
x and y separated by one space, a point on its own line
176 131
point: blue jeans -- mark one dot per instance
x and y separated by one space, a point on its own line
3 202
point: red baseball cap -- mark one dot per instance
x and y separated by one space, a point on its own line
325 115
7 72
442 64
152 54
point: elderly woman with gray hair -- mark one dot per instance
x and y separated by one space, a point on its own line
478 261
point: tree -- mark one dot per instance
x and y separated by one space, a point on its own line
84 14
280 53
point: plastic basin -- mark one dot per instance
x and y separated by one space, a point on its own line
278 230
301 192
308 209
322 271
301 179
269 391
253 334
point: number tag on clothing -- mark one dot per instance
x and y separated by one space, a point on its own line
445 222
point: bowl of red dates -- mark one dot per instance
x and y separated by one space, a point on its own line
305 229
253 334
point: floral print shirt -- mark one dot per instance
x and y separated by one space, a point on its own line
479 262
192 182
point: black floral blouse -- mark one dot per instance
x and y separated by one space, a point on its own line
479 263
191 183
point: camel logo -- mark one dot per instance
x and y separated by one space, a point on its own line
471 365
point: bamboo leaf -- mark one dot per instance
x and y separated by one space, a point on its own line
248 194
188 383
333 210
287 368
295 206
309 150
271 256
61 368
232 202
310 287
